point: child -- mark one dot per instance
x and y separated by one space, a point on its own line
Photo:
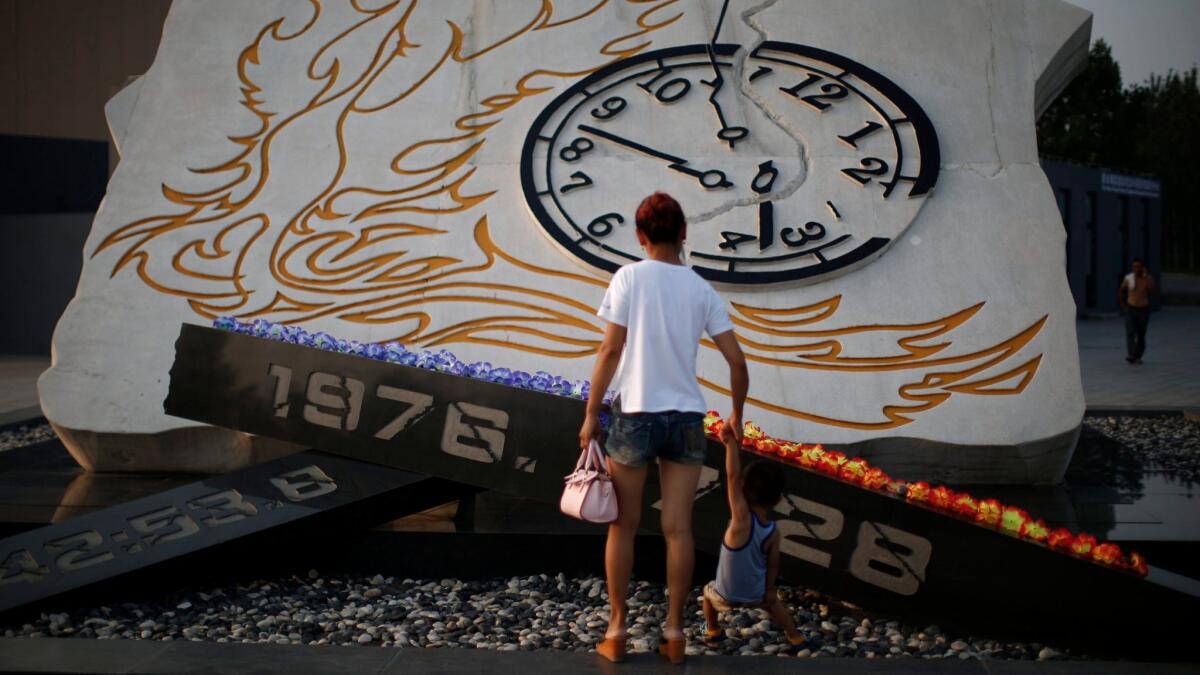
749 557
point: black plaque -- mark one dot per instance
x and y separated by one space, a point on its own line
865 547
119 539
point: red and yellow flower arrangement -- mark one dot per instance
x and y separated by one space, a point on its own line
983 512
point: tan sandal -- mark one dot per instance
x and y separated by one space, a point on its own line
674 649
612 649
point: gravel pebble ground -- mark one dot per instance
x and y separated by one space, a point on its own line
1168 443
518 613
26 434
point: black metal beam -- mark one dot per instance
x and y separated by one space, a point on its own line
309 488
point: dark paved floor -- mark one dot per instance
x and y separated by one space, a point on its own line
42 484
1170 376
18 385
60 655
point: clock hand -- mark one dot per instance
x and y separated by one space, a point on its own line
766 224
720 21
634 145
709 179
727 133
730 135
761 184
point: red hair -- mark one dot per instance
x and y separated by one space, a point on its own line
660 218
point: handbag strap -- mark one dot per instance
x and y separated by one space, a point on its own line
591 459
584 457
596 458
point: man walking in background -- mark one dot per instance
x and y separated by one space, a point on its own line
1134 298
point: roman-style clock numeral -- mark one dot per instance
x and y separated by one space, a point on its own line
870 166
610 108
812 231
762 70
831 91
668 92
583 179
603 225
576 149
731 240
812 78
853 139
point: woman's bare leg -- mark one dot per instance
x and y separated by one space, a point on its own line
618 550
679 483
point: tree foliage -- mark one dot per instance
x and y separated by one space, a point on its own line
1146 128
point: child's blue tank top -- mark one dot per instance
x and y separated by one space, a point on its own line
742 572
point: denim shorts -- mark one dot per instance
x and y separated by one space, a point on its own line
636 439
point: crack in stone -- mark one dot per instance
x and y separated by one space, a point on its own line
486 447
991 66
987 170
750 18
345 394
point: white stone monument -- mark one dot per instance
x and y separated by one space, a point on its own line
860 177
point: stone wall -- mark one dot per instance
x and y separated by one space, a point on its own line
861 181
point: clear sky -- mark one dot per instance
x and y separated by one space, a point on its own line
1147 36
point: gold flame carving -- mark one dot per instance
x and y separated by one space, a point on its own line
384 255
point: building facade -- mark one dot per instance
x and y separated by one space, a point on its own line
1110 218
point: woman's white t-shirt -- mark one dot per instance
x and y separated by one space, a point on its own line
664 308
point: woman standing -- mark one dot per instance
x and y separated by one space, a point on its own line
656 311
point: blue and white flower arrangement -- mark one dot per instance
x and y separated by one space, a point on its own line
443 361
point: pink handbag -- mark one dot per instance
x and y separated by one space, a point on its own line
589 493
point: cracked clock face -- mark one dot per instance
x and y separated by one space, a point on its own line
798 166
